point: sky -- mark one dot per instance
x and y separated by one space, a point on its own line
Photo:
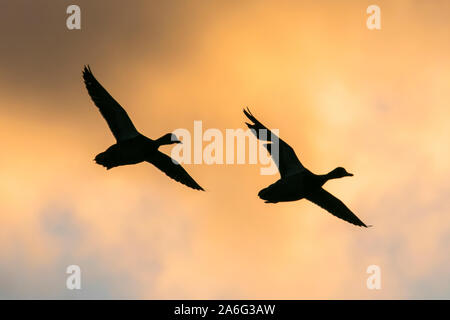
373 101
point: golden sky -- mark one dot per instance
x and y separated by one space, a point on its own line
375 102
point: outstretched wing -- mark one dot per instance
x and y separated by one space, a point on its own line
172 169
333 205
286 161
116 117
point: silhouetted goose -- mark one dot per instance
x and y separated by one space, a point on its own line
132 147
296 181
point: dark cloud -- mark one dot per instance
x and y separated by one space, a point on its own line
42 59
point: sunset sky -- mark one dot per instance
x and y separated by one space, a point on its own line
373 101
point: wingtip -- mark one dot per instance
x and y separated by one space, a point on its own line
87 70
249 114
195 187
363 225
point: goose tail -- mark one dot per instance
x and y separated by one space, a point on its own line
264 194
103 160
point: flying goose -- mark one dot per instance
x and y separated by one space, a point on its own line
132 147
296 181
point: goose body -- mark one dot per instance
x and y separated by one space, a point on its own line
291 188
130 151
296 181
132 147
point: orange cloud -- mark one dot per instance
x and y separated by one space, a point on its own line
375 102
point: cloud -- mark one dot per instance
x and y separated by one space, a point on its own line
375 103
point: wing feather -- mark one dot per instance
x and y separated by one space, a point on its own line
333 205
117 118
286 160
173 170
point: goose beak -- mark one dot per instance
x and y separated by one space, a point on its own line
177 141
349 174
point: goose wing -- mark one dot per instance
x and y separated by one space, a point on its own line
173 169
287 161
333 205
116 117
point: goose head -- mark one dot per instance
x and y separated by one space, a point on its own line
339 172
168 138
